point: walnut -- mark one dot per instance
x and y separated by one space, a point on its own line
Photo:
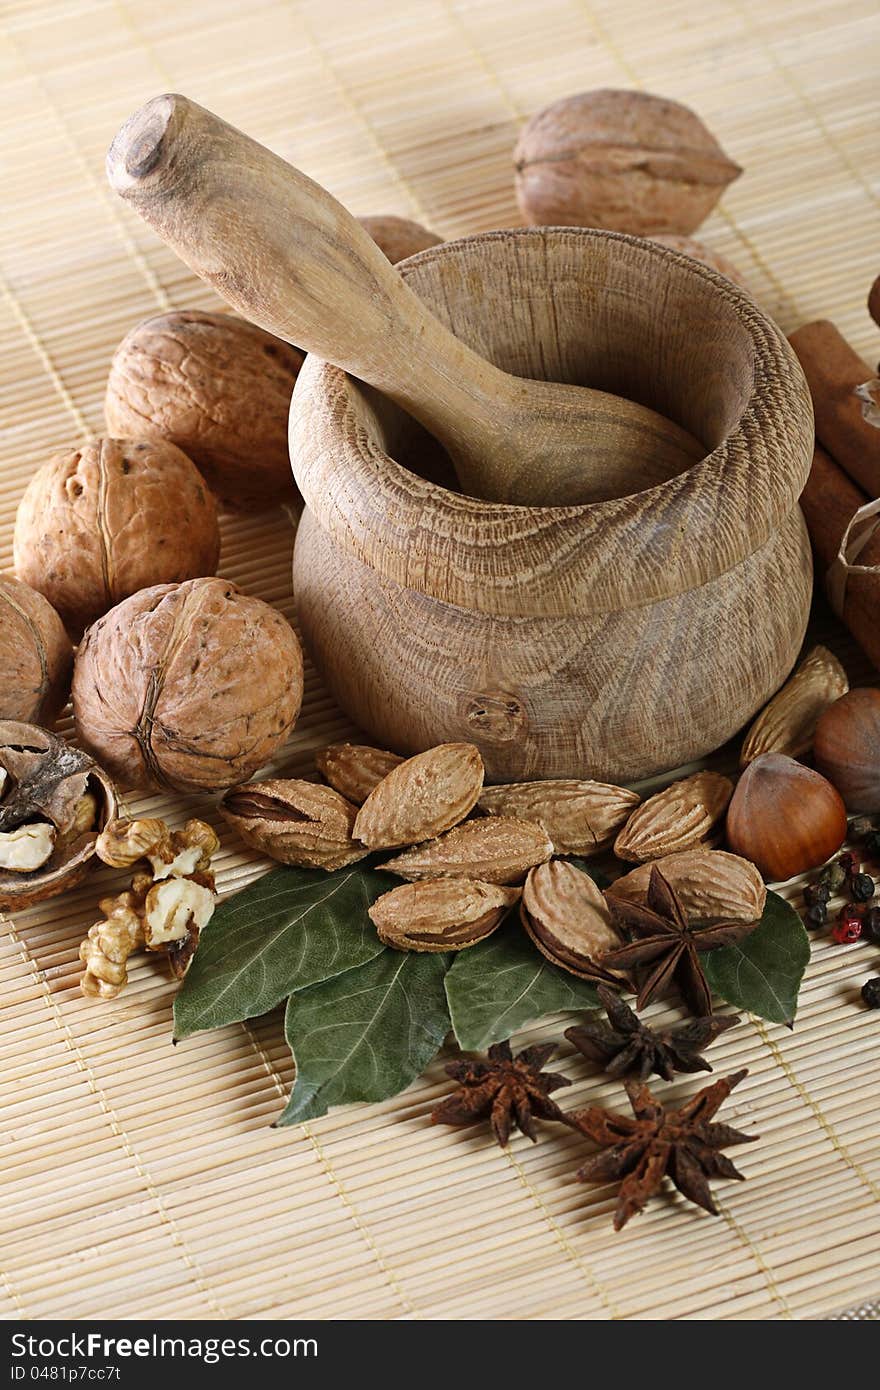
188 686
217 387
164 910
398 237
624 160
35 656
54 801
101 521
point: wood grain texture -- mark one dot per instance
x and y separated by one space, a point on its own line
285 253
609 640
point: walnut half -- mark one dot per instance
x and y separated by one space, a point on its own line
54 801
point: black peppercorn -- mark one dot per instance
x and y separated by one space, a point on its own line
816 894
817 915
871 992
871 925
861 888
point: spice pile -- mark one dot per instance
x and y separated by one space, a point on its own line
411 901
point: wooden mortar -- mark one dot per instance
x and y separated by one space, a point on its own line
609 640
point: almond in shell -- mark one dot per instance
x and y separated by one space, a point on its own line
580 817
677 817
441 915
568 919
295 822
713 885
494 849
355 769
422 797
788 723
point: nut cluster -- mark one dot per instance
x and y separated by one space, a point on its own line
165 908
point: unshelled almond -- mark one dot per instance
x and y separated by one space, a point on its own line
788 723
494 849
713 886
422 797
677 817
295 822
567 917
580 817
441 915
355 769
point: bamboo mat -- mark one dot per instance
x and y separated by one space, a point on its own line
144 1181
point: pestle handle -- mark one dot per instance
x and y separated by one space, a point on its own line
280 249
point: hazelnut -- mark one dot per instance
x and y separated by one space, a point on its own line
398 237
784 817
217 387
190 686
54 801
847 748
623 160
99 522
35 655
705 255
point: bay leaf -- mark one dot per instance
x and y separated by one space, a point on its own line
367 1034
763 973
290 929
504 983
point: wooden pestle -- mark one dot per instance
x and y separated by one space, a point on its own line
282 251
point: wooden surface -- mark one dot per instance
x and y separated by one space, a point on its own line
609 640
281 250
141 1181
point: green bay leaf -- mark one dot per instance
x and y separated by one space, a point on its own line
367 1034
504 983
763 973
288 930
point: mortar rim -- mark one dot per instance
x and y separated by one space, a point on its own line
361 494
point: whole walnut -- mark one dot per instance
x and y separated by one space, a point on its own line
623 160
398 237
698 252
102 521
217 387
35 656
190 686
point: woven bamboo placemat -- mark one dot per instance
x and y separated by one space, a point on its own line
142 1181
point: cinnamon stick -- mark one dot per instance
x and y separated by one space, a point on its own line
829 502
874 301
833 371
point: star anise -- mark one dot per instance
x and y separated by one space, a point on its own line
630 1047
509 1091
680 1144
664 941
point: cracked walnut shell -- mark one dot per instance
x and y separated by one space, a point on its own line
190 686
217 387
101 521
623 160
52 797
36 657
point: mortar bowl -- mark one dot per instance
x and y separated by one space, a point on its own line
611 640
